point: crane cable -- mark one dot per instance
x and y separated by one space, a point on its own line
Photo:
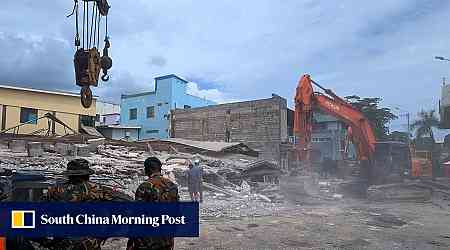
75 11
92 36
84 21
106 29
98 30
93 31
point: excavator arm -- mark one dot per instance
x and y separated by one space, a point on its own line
306 99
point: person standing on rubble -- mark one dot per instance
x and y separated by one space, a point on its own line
78 188
195 179
156 189
327 166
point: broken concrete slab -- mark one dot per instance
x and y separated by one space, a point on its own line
94 143
65 149
18 146
82 150
48 147
35 149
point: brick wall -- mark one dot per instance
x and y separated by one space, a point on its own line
261 124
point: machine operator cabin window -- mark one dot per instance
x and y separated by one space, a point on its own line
28 115
133 114
150 112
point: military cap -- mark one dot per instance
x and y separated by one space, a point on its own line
78 167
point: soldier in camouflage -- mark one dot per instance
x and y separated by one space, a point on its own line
156 189
78 189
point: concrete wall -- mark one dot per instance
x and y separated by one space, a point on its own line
119 133
113 119
107 113
45 101
105 108
261 124
67 108
170 93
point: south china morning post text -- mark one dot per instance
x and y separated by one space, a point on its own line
102 219
85 219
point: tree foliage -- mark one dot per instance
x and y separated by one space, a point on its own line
378 116
427 120
399 136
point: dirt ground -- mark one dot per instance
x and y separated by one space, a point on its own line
340 224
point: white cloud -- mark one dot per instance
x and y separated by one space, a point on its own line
258 47
210 94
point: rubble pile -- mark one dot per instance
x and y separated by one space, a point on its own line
220 206
226 192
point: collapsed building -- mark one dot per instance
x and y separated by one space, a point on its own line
261 124
265 125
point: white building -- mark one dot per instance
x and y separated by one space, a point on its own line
107 113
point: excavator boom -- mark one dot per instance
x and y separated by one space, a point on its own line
360 130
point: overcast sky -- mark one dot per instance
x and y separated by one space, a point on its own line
240 50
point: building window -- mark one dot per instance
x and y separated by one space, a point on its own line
28 115
155 131
151 112
187 107
133 114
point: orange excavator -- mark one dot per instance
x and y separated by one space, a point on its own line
377 160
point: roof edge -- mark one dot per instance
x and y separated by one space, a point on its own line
42 91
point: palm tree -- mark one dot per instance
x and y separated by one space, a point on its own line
425 124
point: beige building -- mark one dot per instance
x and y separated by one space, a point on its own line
22 105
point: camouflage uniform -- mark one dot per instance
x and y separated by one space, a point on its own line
78 192
156 189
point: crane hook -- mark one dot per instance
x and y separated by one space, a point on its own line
106 61
105 77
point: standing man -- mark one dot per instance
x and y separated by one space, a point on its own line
78 189
327 164
156 189
195 179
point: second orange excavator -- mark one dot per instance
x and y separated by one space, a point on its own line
378 161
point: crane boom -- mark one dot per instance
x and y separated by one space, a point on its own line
360 130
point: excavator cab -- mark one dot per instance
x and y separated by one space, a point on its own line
391 162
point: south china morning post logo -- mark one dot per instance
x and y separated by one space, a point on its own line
23 219
109 219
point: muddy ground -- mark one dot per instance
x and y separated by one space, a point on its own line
340 224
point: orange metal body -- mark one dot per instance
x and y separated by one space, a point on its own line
2 243
422 164
360 131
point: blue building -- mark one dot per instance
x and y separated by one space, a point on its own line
151 110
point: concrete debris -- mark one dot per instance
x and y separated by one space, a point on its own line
35 149
263 197
65 149
338 196
235 185
82 150
228 191
17 146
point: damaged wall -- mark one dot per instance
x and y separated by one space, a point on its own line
261 124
